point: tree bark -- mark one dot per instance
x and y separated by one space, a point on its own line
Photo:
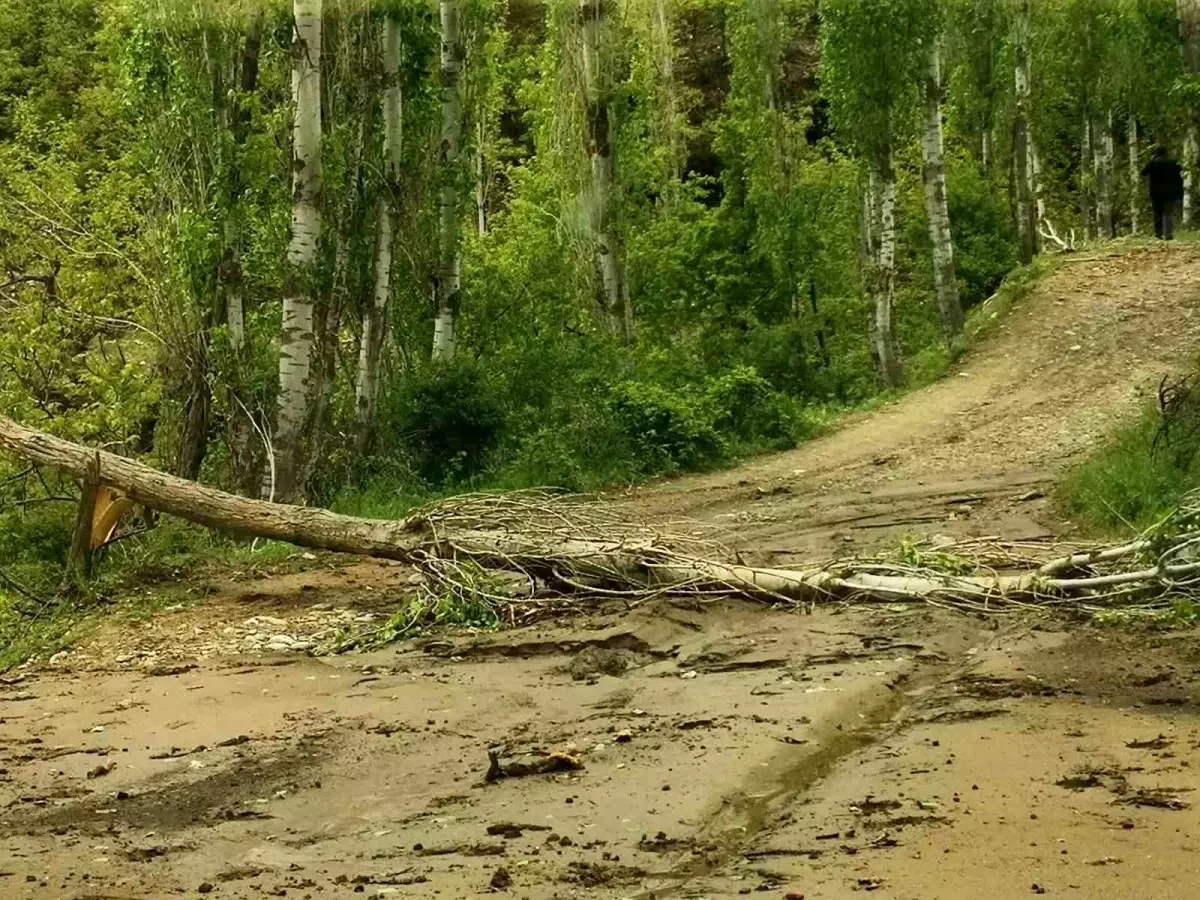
296 336
79 559
175 496
1022 141
239 426
1189 28
610 299
481 180
937 210
1135 176
374 321
445 327
1087 178
1102 160
985 153
885 348
1190 149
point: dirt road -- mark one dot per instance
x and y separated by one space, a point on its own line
976 452
711 750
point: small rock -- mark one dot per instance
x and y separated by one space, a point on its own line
206 887
623 737
501 880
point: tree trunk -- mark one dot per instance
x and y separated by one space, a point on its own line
662 38
609 301
193 437
1022 139
239 426
1035 191
945 279
1190 149
445 327
985 153
885 349
296 336
374 321
175 496
1135 176
1087 178
1189 28
481 181
79 558
564 545
1102 159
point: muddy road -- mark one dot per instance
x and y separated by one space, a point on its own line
671 750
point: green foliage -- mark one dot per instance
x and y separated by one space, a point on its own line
447 419
872 55
1130 482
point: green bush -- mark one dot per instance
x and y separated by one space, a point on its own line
667 430
446 419
748 407
1131 482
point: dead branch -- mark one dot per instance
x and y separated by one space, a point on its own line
1046 230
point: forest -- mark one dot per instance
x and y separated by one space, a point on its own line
361 252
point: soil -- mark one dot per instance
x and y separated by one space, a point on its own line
676 749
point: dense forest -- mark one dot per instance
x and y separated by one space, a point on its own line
334 250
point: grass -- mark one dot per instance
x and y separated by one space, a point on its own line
1129 484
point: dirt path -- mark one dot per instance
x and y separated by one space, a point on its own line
725 749
976 452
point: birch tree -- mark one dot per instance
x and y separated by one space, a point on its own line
374 319
296 337
937 209
874 56
1022 137
612 301
449 274
1189 28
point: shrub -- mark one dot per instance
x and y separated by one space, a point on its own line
748 407
447 419
667 430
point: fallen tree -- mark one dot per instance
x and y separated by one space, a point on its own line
565 547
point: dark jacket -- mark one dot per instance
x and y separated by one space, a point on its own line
1166 180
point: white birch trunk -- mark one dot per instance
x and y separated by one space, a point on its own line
1135 175
884 346
296 337
1087 185
1102 157
374 320
1189 176
1022 137
985 152
610 302
1035 190
1189 28
445 326
937 210
235 311
481 192
664 52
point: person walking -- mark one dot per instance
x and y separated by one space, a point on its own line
1165 179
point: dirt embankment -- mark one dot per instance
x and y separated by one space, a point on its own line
703 750
977 452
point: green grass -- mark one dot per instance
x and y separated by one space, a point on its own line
1128 484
